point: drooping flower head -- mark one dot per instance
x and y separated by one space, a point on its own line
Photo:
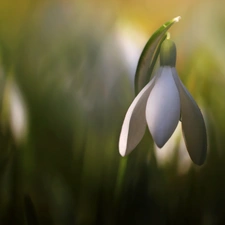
160 105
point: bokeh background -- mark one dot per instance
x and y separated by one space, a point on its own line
66 80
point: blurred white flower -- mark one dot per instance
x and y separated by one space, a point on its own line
18 114
160 105
14 111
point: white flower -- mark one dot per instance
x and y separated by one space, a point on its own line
160 105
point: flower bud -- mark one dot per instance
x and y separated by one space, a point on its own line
168 53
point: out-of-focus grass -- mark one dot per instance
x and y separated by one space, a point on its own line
71 74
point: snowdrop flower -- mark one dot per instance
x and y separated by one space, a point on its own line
160 105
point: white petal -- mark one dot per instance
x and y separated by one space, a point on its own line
163 107
134 124
193 125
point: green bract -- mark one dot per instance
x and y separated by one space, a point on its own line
149 55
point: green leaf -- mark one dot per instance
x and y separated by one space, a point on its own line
149 55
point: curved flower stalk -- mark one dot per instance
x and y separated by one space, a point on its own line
160 105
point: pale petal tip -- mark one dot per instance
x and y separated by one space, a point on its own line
122 154
122 147
160 140
159 144
122 151
200 160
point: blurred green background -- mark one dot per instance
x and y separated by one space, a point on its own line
66 80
